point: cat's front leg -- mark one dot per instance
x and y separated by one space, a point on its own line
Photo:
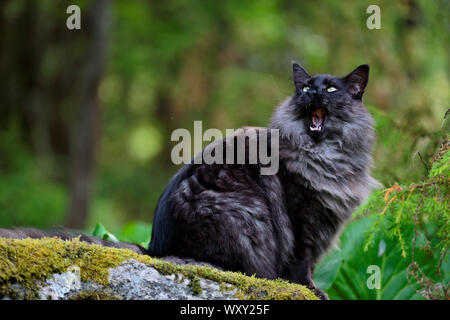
302 273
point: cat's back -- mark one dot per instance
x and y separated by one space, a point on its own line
222 214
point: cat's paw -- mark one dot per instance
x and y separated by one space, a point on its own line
320 294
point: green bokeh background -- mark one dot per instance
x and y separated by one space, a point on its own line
168 63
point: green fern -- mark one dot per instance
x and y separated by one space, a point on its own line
413 222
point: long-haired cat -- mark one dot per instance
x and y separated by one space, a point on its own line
278 225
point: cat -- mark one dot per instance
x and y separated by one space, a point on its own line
272 226
277 226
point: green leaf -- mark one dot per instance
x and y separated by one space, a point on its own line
136 232
343 274
325 275
101 232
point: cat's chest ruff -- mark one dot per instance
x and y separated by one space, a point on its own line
311 183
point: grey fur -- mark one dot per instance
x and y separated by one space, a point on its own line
278 225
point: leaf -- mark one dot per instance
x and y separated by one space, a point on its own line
325 275
349 276
101 232
136 232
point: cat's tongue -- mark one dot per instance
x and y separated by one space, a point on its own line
317 119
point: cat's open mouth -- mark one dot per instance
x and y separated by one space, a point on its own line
317 119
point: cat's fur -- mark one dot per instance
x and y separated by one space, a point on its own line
277 225
66 234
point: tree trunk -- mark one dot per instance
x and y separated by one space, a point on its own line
84 131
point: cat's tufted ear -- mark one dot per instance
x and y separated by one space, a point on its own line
356 81
300 76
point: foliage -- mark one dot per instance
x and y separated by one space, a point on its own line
26 193
405 231
169 63
101 232
412 146
134 232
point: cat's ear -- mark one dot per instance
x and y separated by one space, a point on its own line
356 81
300 76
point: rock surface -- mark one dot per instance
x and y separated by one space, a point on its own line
130 281
55 269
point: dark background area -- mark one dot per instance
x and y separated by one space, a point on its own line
86 115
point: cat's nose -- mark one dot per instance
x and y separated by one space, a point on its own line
313 93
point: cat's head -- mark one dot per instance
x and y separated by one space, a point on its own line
326 136
324 102
326 108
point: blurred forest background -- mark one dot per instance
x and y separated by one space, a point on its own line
86 115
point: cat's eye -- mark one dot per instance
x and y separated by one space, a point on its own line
331 89
305 89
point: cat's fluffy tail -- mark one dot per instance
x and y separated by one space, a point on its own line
66 234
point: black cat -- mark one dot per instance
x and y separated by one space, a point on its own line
273 226
277 225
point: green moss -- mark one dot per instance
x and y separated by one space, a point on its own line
27 260
7 291
251 288
194 285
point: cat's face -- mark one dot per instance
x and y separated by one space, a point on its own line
325 103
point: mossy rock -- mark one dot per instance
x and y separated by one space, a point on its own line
51 268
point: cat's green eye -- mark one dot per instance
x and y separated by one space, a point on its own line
305 89
331 89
